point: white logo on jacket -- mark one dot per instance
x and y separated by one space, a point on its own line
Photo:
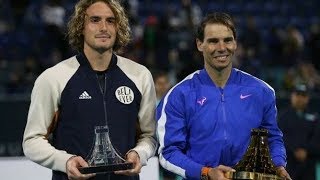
124 94
85 95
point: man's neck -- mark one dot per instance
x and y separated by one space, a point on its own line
221 77
98 62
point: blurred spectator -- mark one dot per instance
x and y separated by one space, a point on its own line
293 46
275 41
314 44
303 72
53 15
251 63
252 49
162 84
189 62
165 30
187 19
190 14
162 50
156 43
251 37
32 16
132 8
300 127
150 40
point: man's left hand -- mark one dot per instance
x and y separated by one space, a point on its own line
134 158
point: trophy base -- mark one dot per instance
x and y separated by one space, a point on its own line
106 168
252 176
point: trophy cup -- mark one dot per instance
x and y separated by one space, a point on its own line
256 164
103 157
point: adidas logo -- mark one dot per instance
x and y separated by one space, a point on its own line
85 95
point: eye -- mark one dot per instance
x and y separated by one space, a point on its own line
111 20
228 40
213 40
95 19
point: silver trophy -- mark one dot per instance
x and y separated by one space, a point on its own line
103 157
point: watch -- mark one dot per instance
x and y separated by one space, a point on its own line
204 173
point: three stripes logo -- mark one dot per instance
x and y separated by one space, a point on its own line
85 95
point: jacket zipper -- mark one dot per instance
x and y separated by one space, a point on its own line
223 114
103 92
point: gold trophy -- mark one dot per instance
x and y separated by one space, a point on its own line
103 157
256 164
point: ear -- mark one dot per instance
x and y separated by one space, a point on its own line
199 45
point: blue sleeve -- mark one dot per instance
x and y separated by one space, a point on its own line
172 134
276 144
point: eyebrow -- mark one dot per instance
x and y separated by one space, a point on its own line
229 38
226 38
97 16
111 17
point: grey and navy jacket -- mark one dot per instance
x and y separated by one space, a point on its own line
67 102
200 124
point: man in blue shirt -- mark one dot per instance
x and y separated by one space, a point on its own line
205 121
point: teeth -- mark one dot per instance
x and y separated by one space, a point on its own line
221 57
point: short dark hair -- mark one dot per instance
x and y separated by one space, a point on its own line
216 18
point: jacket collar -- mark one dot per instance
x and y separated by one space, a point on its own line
83 61
231 79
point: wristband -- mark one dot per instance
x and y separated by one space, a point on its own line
204 173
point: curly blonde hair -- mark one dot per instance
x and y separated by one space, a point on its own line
76 24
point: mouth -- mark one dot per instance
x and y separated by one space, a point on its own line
221 57
103 39
103 36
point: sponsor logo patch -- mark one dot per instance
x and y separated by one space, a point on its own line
124 94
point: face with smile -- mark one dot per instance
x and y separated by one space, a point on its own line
217 47
99 28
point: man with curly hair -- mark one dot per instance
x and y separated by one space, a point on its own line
96 88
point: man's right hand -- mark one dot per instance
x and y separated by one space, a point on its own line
72 168
218 172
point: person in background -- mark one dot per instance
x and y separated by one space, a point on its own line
300 126
162 84
204 122
94 88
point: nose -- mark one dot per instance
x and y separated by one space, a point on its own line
103 26
221 46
